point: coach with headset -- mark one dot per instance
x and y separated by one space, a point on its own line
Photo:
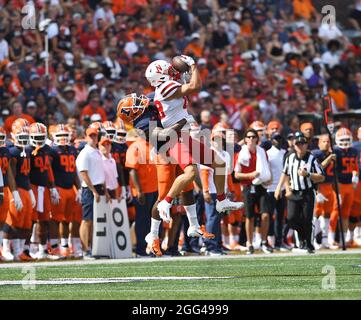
301 173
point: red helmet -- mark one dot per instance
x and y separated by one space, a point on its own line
132 107
38 134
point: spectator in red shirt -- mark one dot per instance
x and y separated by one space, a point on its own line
17 112
90 42
94 107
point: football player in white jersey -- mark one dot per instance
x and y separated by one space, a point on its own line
171 101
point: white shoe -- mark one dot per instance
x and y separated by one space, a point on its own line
316 245
78 254
40 255
164 210
227 204
7 256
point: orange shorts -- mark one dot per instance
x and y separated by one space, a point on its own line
41 216
4 207
347 194
325 208
64 211
20 219
166 174
356 204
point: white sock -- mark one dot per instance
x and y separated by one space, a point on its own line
16 247
297 239
271 240
1 236
22 245
154 227
350 235
234 238
344 237
324 225
64 242
316 224
225 239
34 247
6 245
34 238
192 215
76 244
331 237
357 232
257 238
43 248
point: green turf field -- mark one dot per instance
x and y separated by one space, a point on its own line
271 277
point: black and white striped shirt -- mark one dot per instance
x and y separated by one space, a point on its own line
291 166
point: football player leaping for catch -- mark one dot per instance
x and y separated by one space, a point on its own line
171 101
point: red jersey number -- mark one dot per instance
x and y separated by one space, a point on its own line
159 107
348 164
68 162
41 163
25 167
4 164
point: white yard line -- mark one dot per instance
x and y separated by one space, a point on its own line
187 258
63 281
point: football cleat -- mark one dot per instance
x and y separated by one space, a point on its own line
24 257
227 204
164 210
197 232
7 256
154 244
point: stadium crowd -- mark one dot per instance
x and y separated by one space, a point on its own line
261 64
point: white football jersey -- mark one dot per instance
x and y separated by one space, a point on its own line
170 111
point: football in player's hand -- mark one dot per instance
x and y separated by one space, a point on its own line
179 64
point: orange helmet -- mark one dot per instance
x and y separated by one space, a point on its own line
2 137
38 134
61 135
343 138
99 126
273 126
257 125
20 122
20 134
132 107
110 129
120 135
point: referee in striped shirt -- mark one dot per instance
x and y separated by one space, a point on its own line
301 173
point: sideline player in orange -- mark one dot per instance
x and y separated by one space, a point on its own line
42 184
63 157
132 108
355 214
6 170
326 195
347 174
17 227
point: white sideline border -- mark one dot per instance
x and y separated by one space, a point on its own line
11 265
